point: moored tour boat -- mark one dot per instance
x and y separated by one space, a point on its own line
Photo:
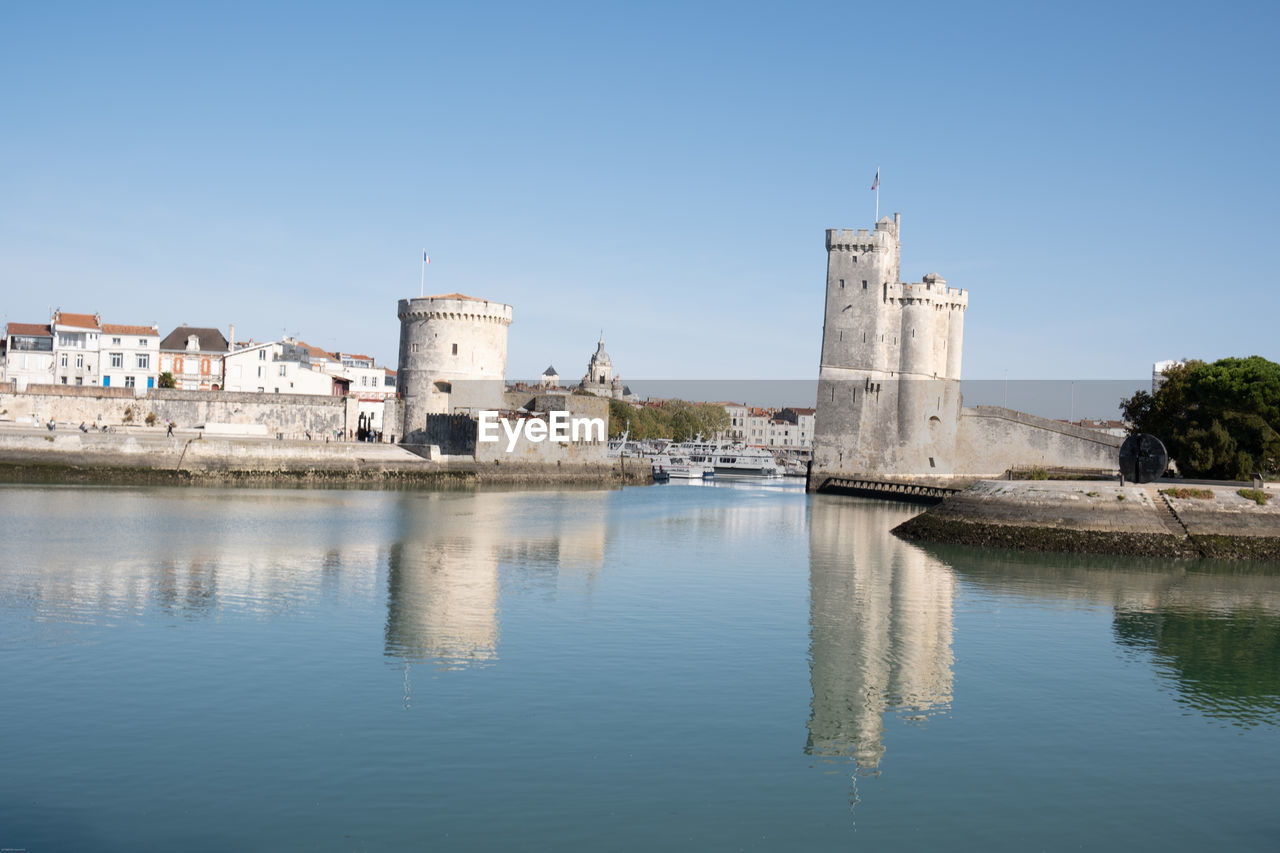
724 457
680 468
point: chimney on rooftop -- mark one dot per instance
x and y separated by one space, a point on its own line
231 338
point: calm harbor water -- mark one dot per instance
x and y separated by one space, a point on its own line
673 667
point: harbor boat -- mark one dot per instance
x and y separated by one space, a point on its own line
728 458
795 468
680 468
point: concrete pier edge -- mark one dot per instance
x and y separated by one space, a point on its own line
1102 517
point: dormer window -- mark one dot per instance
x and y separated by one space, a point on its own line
193 343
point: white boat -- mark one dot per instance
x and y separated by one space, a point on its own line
727 458
680 468
795 468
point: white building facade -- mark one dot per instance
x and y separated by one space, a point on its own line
276 367
28 354
130 356
75 348
787 430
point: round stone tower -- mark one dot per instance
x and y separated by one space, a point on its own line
453 355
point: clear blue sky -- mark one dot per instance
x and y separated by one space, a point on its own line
1102 177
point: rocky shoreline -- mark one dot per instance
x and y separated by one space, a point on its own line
1098 517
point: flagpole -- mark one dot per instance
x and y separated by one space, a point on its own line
877 219
422 279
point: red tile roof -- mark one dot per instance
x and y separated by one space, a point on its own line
456 296
29 329
80 321
317 352
115 329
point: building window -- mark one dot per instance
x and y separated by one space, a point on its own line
177 365
413 347
129 382
283 370
842 284
79 359
262 355
144 361
117 359
864 284
259 374
115 342
64 380
142 342
455 349
63 360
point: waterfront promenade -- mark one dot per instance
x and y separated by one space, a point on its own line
129 453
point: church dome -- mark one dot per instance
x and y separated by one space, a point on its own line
600 357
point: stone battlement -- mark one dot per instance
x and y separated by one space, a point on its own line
454 307
930 292
862 240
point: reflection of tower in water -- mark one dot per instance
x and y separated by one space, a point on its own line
881 626
456 551
443 580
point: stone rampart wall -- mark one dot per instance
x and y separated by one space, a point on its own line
152 449
992 439
289 416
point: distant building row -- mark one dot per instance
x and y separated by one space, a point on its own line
788 429
79 349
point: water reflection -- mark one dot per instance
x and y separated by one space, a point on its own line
455 552
881 628
1211 630
106 556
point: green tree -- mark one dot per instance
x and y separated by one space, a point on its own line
1218 420
674 419
166 380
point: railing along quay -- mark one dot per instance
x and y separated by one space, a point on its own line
913 492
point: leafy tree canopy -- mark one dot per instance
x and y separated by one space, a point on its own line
1218 420
674 419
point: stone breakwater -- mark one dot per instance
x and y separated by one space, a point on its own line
1103 518
148 455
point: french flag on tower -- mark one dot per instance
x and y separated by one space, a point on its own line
427 260
875 185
